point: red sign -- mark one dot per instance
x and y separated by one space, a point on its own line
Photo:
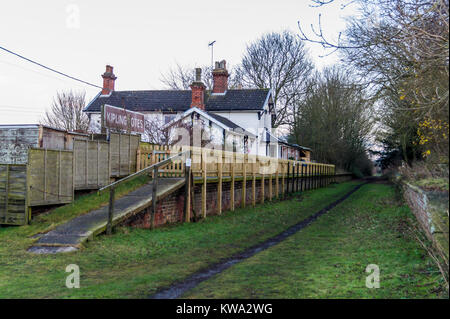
121 119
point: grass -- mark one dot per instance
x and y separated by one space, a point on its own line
134 263
328 259
433 183
80 206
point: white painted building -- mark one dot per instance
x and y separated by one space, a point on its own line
244 114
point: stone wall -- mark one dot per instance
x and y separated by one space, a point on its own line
431 210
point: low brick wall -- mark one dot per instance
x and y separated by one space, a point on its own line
171 208
431 210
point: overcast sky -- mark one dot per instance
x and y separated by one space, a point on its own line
141 39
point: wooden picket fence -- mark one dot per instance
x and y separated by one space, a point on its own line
218 166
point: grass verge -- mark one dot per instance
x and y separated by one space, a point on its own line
82 205
328 259
134 263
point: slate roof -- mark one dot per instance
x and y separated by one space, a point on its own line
224 121
172 100
284 140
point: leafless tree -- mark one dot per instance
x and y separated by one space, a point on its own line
335 120
179 133
155 131
66 112
181 77
278 61
400 51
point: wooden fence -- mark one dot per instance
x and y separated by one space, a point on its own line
92 164
149 154
219 166
50 177
13 194
123 151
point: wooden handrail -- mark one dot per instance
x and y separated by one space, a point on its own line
113 186
144 170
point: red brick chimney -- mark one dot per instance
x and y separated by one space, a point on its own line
108 80
220 77
198 90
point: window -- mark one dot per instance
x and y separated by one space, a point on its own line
168 118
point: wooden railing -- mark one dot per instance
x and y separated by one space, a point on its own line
218 166
212 162
154 169
203 166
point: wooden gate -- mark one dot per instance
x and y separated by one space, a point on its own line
91 160
13 194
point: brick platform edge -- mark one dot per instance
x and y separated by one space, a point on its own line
431 210
171 209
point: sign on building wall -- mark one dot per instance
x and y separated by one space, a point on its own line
120 119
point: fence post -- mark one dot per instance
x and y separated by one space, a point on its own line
270 181
204 183
138 159
301 177
318 175
283 190
110 210
334 173
297 176
232 165
293 178
321 175
154 197
219 186
288 172
308 176
277 183
314 176
187 190
262 184
244 180
254 182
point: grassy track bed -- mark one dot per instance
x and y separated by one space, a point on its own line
134 263
328 259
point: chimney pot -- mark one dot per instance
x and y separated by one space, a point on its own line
198 90
220 77
108 80
198 75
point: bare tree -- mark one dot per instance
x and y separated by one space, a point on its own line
400 51
155 131
334 119
181 132
181 77
278 61
66 112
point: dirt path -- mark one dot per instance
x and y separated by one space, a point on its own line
178 289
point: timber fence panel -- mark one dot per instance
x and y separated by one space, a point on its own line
50 177
13 194
123 153
91 160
